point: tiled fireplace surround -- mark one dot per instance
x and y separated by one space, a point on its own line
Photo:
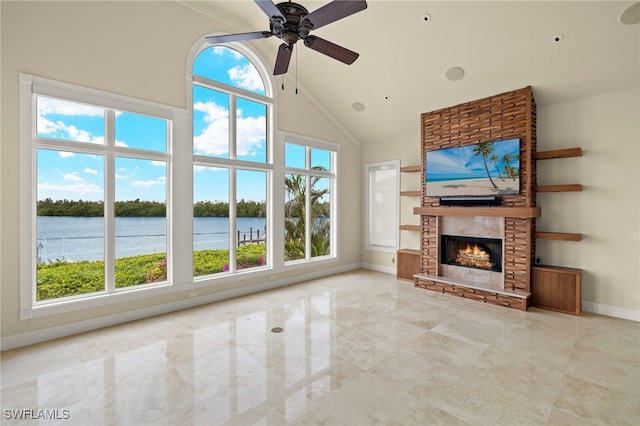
478 227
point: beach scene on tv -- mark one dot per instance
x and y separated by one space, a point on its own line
487 168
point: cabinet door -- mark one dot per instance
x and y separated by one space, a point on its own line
408 264
557 289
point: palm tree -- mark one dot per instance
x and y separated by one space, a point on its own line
295 217
494 159
485 149
512 172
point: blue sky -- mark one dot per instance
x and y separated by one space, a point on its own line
74 176
460 163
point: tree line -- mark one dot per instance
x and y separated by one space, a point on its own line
140 208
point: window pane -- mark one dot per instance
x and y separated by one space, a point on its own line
320 159
294 212
141 223
69 224
211 240
230 67
321 217
141 132
251 220
210 122
251 123
71 121
294 156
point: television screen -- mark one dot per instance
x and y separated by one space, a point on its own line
487 168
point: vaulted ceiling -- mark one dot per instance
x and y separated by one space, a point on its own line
564 50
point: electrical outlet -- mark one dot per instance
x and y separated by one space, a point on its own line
393 260
193 293
636 295
636 236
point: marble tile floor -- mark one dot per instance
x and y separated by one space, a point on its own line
358 348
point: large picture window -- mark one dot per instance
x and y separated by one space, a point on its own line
232 167
99 180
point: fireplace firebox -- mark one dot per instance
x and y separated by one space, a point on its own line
471 252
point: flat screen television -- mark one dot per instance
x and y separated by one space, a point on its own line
483 169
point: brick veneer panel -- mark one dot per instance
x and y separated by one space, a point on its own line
505 116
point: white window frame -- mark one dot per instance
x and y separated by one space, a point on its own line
232 164
30 88
332 174
392 205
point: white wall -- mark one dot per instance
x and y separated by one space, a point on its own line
138 49
607 211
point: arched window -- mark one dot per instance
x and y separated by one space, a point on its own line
232 106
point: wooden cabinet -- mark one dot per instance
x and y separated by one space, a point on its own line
557 288
408 264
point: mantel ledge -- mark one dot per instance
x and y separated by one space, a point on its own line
515 212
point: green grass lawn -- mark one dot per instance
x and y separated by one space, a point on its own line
62 279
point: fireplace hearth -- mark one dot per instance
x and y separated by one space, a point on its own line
471 252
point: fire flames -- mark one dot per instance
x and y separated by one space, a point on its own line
474 257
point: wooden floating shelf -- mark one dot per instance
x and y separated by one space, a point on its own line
410 193
563 236
515 212
559 188
558 153
411 169
410 228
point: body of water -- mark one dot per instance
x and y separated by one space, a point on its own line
82 238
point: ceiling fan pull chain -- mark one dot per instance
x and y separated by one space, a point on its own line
296 52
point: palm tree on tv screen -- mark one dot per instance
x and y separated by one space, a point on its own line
510 171
485 149
494 159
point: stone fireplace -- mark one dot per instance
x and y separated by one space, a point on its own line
503 116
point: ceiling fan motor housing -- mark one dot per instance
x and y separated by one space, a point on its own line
291 30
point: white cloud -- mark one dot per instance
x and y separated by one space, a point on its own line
60 130
147 183
251 132
89 171
79 188
66 154
73 177
57 106
159 163
121 176
214 139
246 77
120 143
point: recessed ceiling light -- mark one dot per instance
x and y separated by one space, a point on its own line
631 15
558 38
454 73
358 106
426 17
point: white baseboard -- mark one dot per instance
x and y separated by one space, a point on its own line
611 311
38 336
386 269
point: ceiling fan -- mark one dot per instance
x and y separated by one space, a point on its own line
291 22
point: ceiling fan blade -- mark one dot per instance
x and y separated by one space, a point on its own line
334 11
331 49
238 37
270 9
283 59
